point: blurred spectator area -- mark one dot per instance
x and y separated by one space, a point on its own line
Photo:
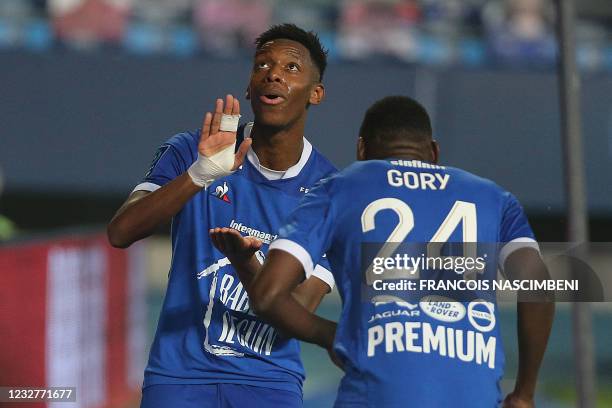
81 22
432 32
226 26
520 31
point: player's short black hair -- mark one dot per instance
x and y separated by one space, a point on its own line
395 119
308 39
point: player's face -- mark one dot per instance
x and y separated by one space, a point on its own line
284 80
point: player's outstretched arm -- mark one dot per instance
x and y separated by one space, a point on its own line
271 297
241 253
310 293
535 318
143 211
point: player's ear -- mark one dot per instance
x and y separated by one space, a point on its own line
317 94
360 149
435 151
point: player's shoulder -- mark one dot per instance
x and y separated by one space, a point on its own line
184 141
321 164
478 183
473 178
316 169
355 174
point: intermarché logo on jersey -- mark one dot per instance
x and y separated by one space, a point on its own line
263 236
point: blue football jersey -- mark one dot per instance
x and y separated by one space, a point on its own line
429 349
207 333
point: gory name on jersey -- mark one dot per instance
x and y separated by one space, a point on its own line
417 180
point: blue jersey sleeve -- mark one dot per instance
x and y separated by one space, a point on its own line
309 230
515 231
171 160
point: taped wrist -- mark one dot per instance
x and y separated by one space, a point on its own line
205 170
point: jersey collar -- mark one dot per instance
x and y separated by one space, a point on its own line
272 174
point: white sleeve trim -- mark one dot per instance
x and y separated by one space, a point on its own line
150 187
511 246
325 275
297 251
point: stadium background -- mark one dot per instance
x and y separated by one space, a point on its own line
91 87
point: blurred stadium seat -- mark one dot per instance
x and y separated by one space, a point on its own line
504 33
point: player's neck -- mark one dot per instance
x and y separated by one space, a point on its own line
278 148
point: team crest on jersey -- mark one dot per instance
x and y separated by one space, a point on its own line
221 192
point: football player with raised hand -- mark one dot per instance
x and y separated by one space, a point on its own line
210 349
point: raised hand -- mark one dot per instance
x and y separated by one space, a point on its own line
213 140
216 157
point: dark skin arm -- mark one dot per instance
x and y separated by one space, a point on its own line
143 211
241 253
535 317
294 303
272 299
310 293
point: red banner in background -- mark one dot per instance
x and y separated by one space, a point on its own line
73 314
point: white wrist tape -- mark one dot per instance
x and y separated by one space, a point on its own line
205 170
229 123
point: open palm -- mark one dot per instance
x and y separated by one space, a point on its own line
233 245
213 140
